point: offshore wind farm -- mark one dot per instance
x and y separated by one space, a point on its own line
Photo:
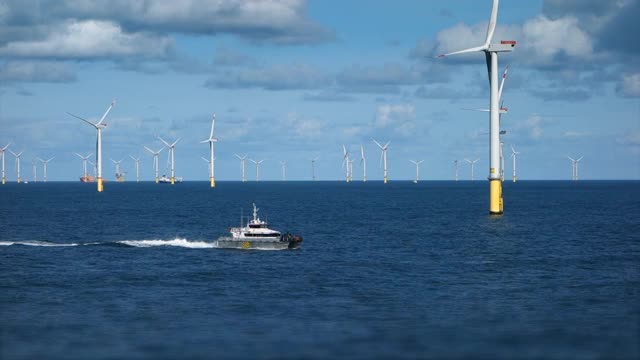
430 231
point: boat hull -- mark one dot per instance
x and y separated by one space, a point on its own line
257 243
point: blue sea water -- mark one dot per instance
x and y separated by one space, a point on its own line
398 271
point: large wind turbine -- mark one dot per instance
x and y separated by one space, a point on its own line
313 168
284 170
17 156
242 160
99 126
84 164
363 161
44 164
172 148
417 163
514 153
137 161
212 163
257 168
2 151
491 56
383 157
574 167
473 163
155 160
345 160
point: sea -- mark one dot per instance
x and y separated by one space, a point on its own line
395 271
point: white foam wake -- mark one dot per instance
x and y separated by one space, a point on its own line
175 242
34 243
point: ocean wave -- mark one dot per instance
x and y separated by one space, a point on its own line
175 242
35 243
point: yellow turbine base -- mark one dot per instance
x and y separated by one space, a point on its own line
515 179
213 182
4 181
19 180
157 180
100 186
495 197
173 180
385 179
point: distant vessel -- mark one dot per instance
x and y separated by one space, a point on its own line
120 177
256 235
87 178
166 180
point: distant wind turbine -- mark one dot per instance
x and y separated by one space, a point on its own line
137 161
84 164
455 163
211 140
119 174
242 160
98 126
17 156
345 161
514 154
363 161
574 167
383 157
35 170
257 168
155 160
172 148
491 55
284 170
417 164
472 165
313 168
2 151
44 164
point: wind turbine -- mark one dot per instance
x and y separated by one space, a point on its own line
491 56
84 164
313 168
514 153
455 163
155 160
363 161
172 148
574 167
257 168
242 160
472 165
383 157
119 175
284 170
345 160
17 163
35 170
137 161
417 163
2 151
208 163
44 164
212 159
99 126
95 168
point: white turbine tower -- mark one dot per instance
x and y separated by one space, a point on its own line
574 167
35 170
17 156
2 151
501 162
491 56
417 163
155 160
284 170
455 163
99 126
383 157
84 164
137 161
212 163
172 148
363 161
473 163
345 161
313 168
119 175
514 154
257 168
44 164
242 161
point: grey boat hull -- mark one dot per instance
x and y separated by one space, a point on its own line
258 244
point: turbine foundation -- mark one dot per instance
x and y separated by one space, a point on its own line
213 181
100 186
495 197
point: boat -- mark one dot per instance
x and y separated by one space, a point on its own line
87 178
167 180
257 235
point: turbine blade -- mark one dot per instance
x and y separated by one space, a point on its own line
492 23
465 51
113 103
576 160
85 120
504 76
174 144
149 150
213 124
166 143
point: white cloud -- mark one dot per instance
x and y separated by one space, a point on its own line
303 126
90 39
36 71
400 117
629 85
545 38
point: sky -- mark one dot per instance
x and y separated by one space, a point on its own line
293 80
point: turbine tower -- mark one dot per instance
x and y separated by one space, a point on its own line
84 164
99 126
211 140
172 148
2 151
491 56
257 168
417 163
455 163
119 175
472 165
242 160
574 167
137 161
363 161
35 170
284 170
345 160
18 155
514 153
383 157
313 168
501 162
44 164
155 160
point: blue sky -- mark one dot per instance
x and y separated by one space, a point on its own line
293 80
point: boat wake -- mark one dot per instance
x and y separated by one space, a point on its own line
125 243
